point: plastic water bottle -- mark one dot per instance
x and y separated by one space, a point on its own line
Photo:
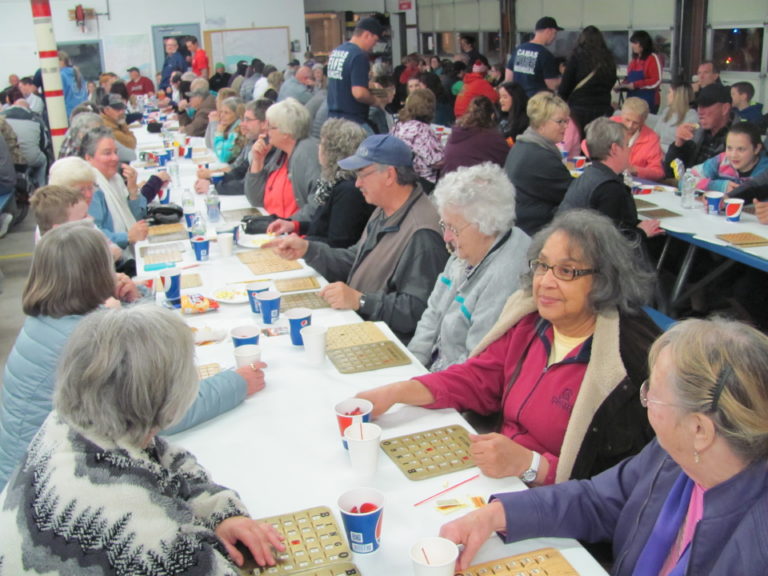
687 190
188 201
198 225
212 204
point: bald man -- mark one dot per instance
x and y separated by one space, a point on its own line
298 86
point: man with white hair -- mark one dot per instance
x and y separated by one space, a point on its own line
298 86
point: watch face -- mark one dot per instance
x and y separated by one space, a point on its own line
528 476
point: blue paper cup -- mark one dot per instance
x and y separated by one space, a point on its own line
202 248
171 282
216 178
165 196
298 318
245 335
189 218
253 290
363 528
351 412
713 202
269 302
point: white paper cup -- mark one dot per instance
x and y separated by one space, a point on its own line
314 344
226 242
363 441
434 556
246 355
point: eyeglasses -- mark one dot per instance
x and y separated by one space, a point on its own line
566 273
363 175
452 229
247 119
561 122
644 400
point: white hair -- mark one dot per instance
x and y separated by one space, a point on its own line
482 194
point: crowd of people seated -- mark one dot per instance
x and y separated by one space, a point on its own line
434 196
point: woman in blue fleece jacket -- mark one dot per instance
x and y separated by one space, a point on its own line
72 275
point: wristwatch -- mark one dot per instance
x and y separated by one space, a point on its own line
361 302
529 476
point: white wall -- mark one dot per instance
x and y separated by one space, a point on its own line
136 18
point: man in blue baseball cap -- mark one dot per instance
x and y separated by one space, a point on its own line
389 274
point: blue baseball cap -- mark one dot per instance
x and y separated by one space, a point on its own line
379 149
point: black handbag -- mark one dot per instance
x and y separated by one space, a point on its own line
257 224
164 214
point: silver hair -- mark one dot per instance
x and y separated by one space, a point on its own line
623 280
482 194
720 368
234 104
127 373
71 171
92 139
290 117
601 134
339 139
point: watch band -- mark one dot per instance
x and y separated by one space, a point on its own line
529 475
361 302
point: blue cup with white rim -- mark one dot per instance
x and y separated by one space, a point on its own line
269 302
254 289
245 335
298 318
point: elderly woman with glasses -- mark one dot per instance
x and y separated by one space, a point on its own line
534 164
98 488
563 363
694 500
282 182
477 211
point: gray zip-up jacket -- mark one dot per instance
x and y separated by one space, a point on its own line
465 304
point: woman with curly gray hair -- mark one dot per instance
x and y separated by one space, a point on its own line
477 215
342 211
564 362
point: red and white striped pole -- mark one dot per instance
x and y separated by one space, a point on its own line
49 65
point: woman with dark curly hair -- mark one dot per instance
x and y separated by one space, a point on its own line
589 77
475 138
343 212
512 104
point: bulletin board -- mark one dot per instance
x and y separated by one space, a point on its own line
123 52
270 45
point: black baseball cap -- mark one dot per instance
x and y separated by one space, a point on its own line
547 22
133 69
372 25
113 101
713 94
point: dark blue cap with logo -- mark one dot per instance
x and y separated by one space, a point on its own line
379 149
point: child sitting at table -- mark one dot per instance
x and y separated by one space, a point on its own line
743 159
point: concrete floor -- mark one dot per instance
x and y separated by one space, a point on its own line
15 259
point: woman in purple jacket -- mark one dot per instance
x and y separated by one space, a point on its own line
695 500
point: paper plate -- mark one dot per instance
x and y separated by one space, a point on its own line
231 294
254 240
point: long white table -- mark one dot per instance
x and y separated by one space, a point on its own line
281 448
699 230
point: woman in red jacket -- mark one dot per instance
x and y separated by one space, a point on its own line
644 72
